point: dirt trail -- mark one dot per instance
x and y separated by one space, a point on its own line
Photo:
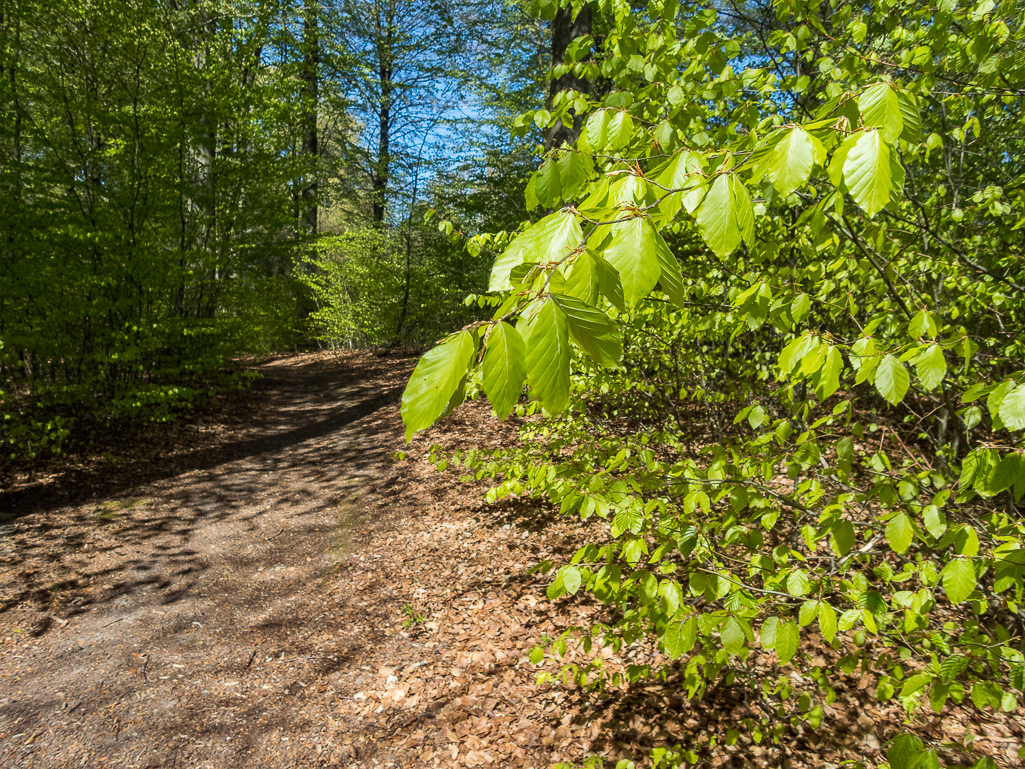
240 599
182 623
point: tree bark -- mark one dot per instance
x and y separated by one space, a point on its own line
311 94
385 71
565 29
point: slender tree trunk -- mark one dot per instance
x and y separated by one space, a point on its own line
565 29
311 94
207 130
382 169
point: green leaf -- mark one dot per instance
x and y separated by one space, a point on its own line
504 368
795 352
530 194
435 380
865 359
634 550
679 637
969 469
829 374
725 217
1006 473
891 379
628 517
570 579
630 190
547 188
843 537
671 593
593 330
792 160
849 619
574 168
900 533
756 416
996 397
634 253
548 358
768 632
1012 409
921 325
609 282
827 621
934 522
938 694
868 173
734 639
597 130
809 610
905 751
880 108
582 278
787 639
835 170
931 367
911 116
915 684
555 589
620 131
682 171
966 540
797 583
958 580
671 277
800 308
550 240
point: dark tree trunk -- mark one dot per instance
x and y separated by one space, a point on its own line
311 93
565 29
385 66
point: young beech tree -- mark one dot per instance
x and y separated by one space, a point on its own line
773 321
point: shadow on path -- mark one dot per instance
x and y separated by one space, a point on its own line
81 487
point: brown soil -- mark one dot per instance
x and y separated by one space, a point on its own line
271 589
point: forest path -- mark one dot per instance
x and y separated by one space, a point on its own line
236 599
233 597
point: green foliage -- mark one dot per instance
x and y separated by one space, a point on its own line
821 429
504 368
377 286
438 381
145 185
413 618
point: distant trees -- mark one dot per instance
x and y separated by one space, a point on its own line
146 162
408 66
165 165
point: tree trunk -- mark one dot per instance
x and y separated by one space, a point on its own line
311 94
382 167
565 29
206 28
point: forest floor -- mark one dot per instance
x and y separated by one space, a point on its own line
265 586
